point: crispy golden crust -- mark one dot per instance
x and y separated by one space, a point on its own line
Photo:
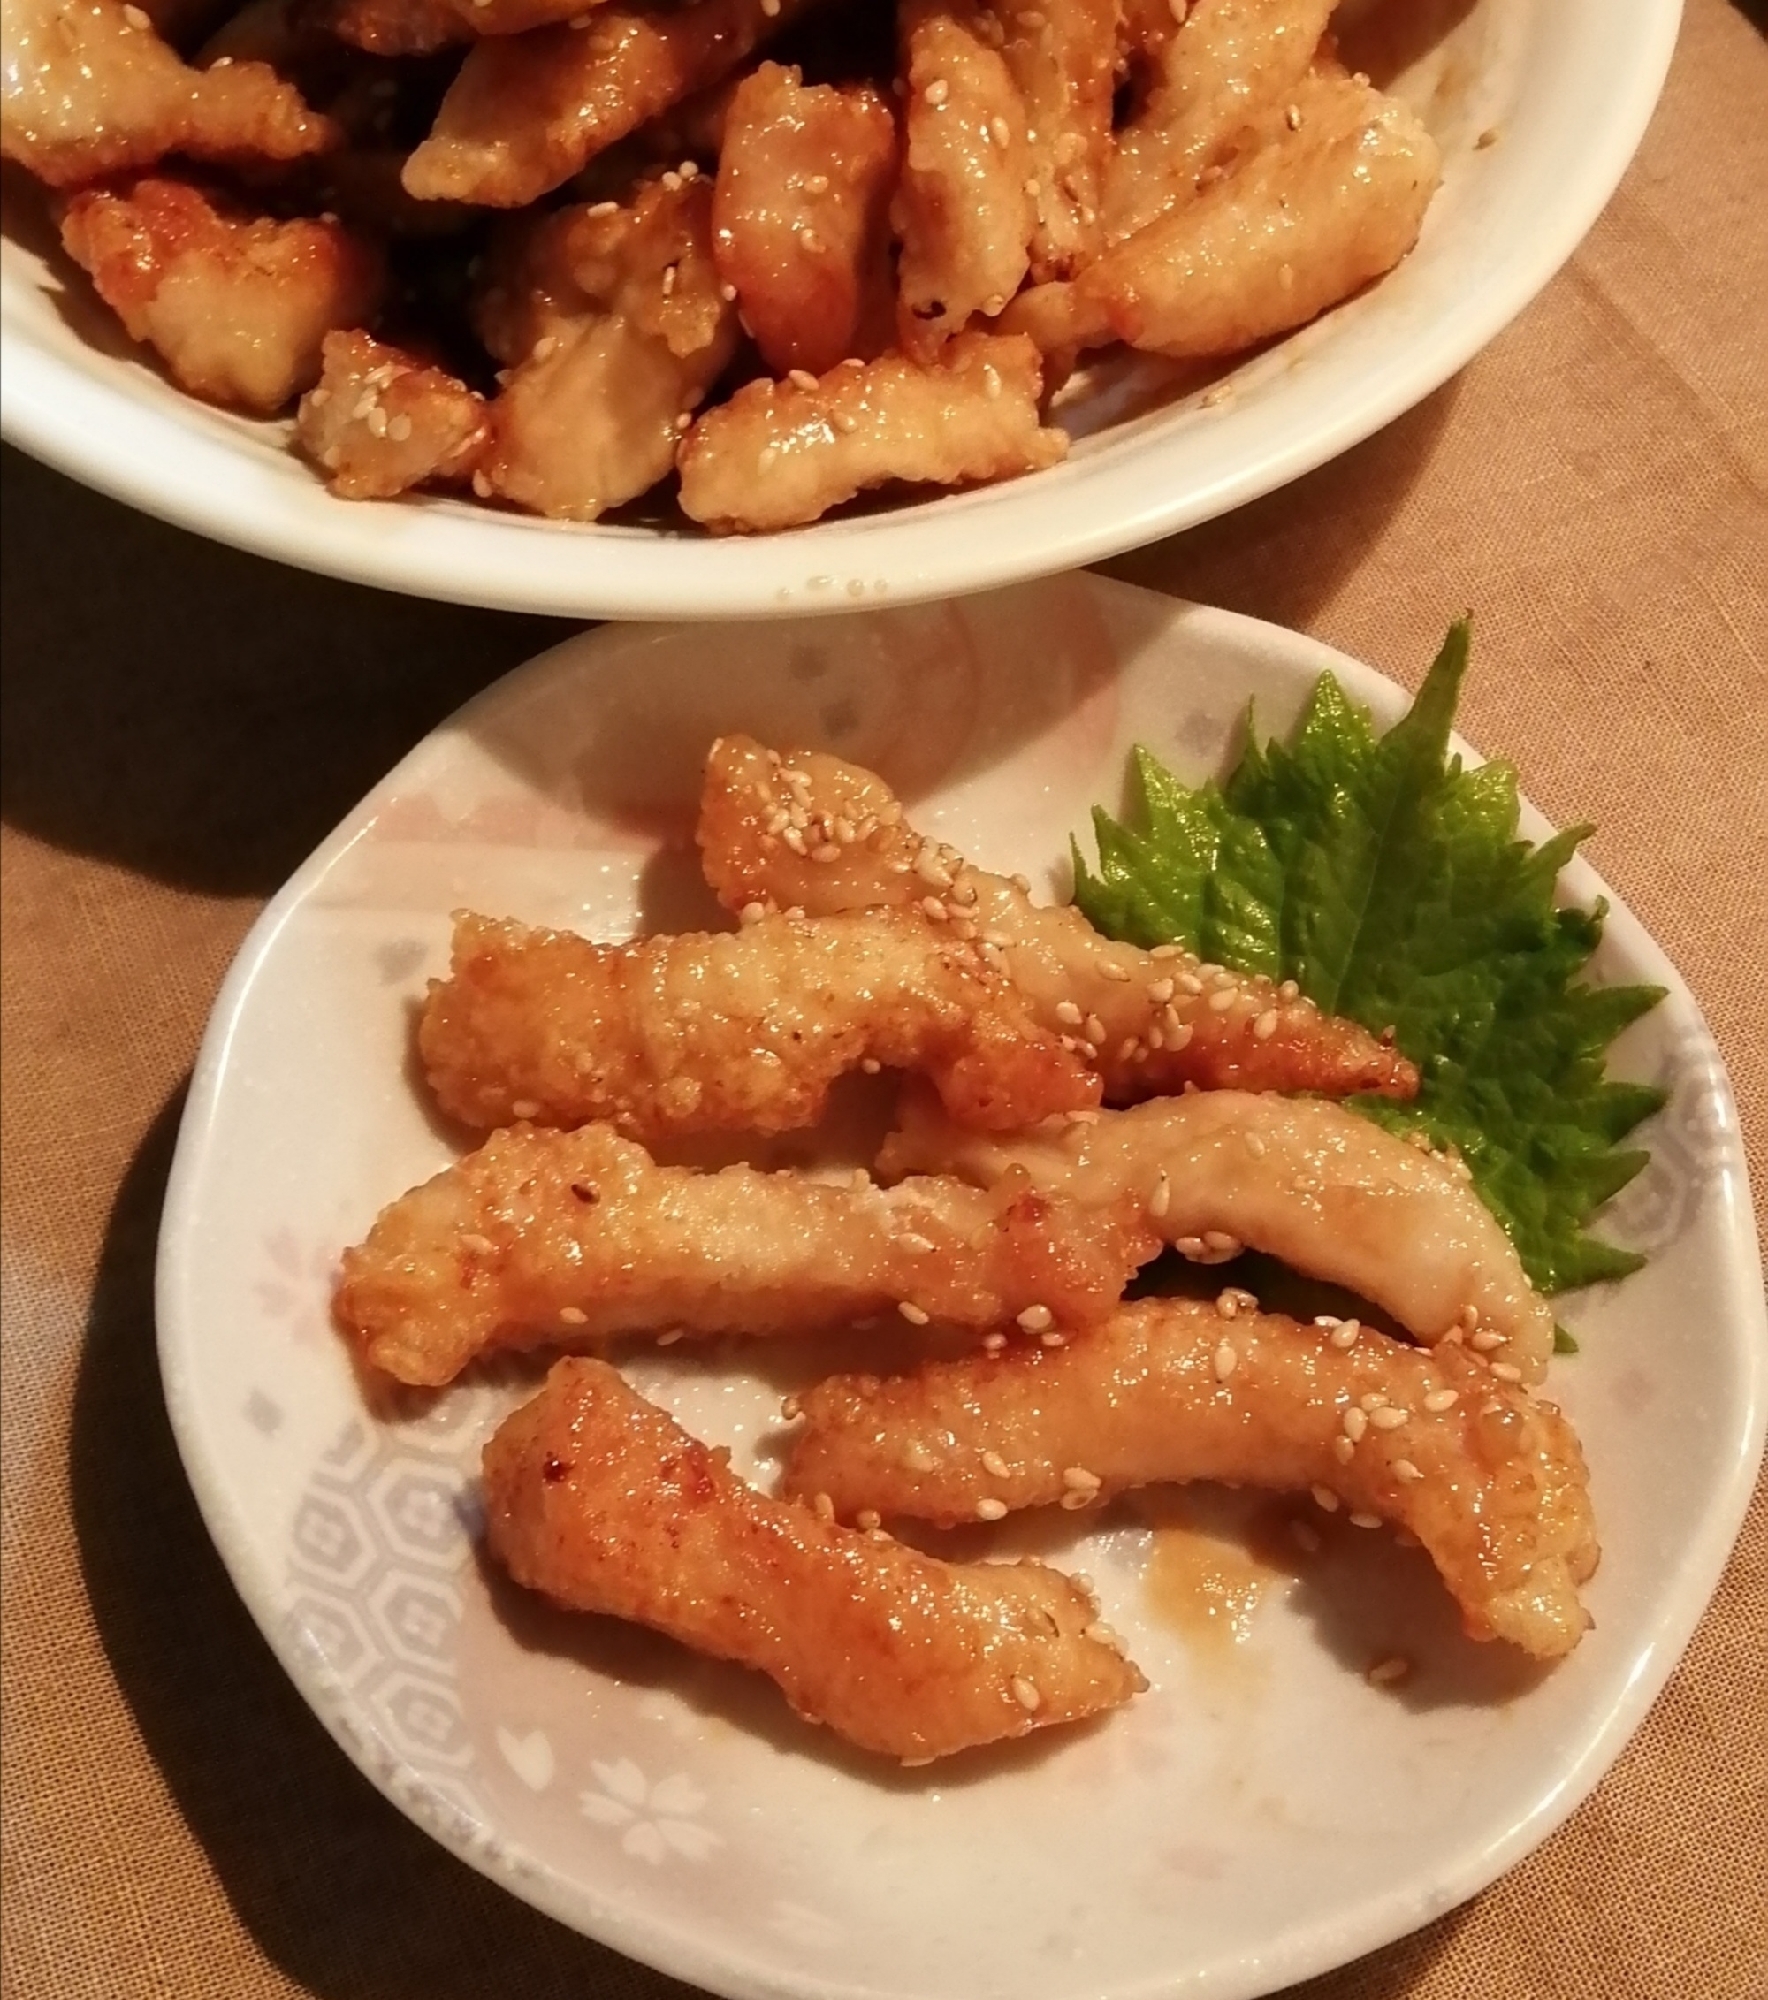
740 1031
800 223
1205 86
1491 1481
528 111
379 422
1299 225
1332 1194
597 1499
545 1237
964 208
1162 1020
87 89
396 27
237 306
629 330
1061 55
779 454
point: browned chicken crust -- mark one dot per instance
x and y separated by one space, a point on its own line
1150 1022
1062 55
1489 1480
595 1498
628 328
800 223
780 454
379 422
965 207
546 1237
528 111
739 1031
238 306
87 88
1333 1194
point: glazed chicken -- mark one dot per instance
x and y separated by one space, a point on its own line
596 1499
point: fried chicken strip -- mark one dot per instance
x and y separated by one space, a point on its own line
528 111
545 1237
778 454
237 306
379 422
1332 1194
632 331
740 1031
1061 56
1227 63
1489 1480
1150 1022
88 89
800 224
963 207
595 1498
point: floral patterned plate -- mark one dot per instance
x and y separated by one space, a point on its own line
1264 1811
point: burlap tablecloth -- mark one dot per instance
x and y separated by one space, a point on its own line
183 723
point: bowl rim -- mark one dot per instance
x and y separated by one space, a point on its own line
146 453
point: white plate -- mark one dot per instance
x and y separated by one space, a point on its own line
1565 85
1260 1814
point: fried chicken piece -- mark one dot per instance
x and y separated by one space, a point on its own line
1491 1481
1334 1195
236 305
88 89
1331 203
1061 55
800 223
528 111
964 208
739 1031
1151 1022
596 1499
636 331
379 422
777 454
556 1238
396 27
1211 81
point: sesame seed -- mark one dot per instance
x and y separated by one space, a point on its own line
137 17
1228 1303
1305 1537
1068 1013
1288 990
918 1458
1468 1317
1371 1400
936 92
990 1509
1389 1418
1255 1145
1221 1242
912 1241
1226 1361
728 293
1079 1480
995 1465
1022 883
672 180
1507 1371
1110 969
1171 1025
524 1107
668 279
399 429
1266 1025
1292 118
801 378
994 1343
1385 1673
1440 1400
1355 1424
825 852
1362 1520
1405 1470
332 457
1222 999
934 910
1052 1339
1035 1319
1177 1038
604 208
573 1315
1026 1695
1343 1450
1000 131
870 1065
823 1507
1102 1634
765 458
1094 1029
1484 1343
1325 1499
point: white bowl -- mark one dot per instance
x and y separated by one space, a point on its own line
1262 1812
1562 88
